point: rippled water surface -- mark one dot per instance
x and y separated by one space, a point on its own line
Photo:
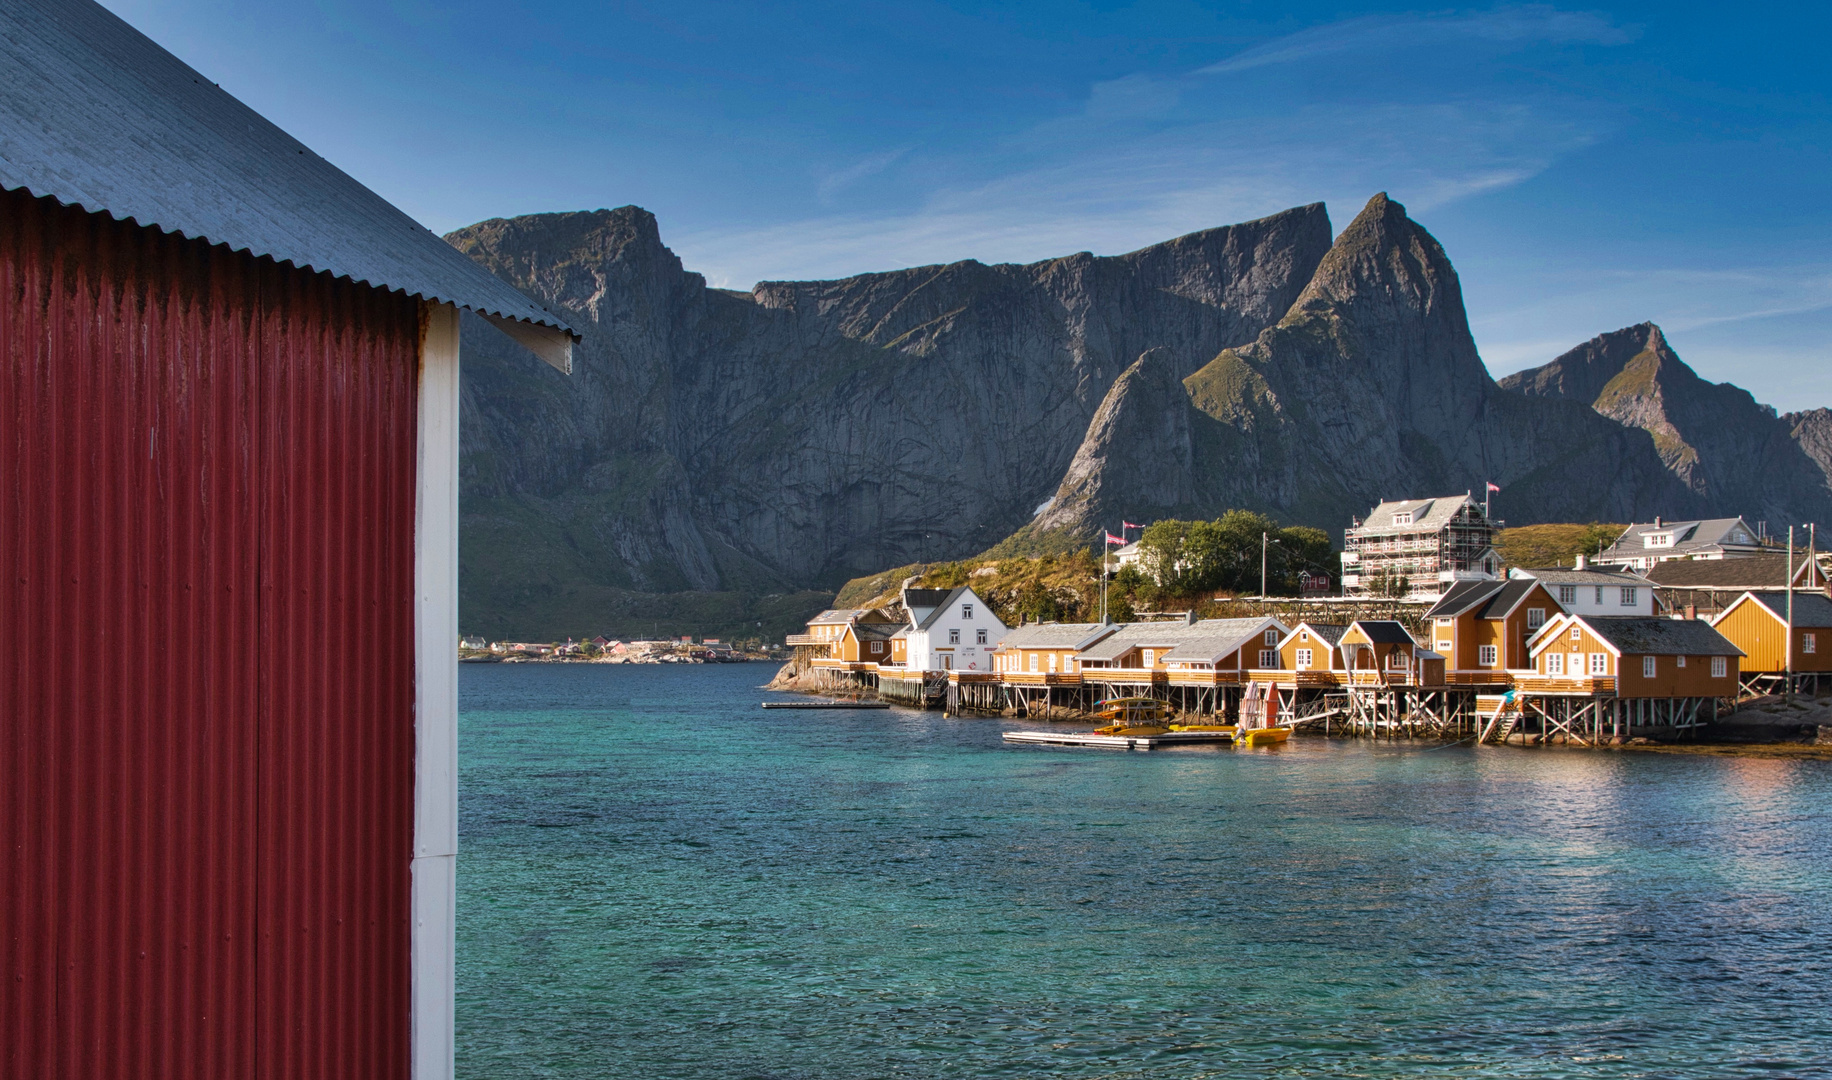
659 879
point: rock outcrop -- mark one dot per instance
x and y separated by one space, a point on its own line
805 432
716 451
1733 452
1369 387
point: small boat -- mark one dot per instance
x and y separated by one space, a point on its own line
1133 716
1224 729
1266 736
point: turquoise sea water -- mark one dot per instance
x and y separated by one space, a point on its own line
659 879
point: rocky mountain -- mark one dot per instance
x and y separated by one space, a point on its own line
753 444
1732 451
1370 386
723 460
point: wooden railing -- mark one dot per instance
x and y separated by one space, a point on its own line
1582 684
1041 678
1203 677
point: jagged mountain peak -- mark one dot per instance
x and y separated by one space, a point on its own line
1384 256
1582 373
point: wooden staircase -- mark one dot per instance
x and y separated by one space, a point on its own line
1500 726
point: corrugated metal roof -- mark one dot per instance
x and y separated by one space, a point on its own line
95 114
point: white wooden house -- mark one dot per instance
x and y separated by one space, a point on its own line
950 631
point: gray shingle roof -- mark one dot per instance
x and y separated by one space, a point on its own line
1055 635
1811 609
1329 633
1384 631
1642 635
836 615
1751 572
1560 575
1428 515
1462 597
1688 536
1211 639
94 114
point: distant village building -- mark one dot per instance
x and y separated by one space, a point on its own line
949 630
1704 587
1419 548
1642 547
473 641
1757 623
1481 628
1634 657
1581 590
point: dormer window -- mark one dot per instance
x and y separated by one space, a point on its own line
1404 517
1658 540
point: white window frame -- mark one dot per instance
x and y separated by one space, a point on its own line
1719 667
1487 655
1555 664
967 611
979 636
1650 667
1396 660
1269 658
1052 663
1809 642
1033 663
1576 633
1568 595
1304 657
1679 661
1150 655
954 635
1272 637
1599 663
1536 618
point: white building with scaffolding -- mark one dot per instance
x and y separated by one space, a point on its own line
1418 548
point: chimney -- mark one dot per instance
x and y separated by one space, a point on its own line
1657 521
1189 617
1582 562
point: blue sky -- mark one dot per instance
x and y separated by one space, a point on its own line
1586 168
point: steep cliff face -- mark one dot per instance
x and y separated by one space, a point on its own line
1734 453
1369 387
807 432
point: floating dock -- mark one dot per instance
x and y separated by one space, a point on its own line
826 705
1119 742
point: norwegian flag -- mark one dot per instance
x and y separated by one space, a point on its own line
1494 487
1124 525
1120 540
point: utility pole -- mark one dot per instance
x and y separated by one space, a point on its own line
1788 693
1265 539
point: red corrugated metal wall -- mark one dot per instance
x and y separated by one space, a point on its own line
206 659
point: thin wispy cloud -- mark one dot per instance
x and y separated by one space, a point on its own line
1379 33
833 183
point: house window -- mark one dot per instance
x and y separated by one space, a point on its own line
1576 634
966 611
1304 635
1567 595
1536 618
1033 662
1599 594
954 637
1396 660
1150 657
1555 663
1485 655
1052 663
1445 647
1303 657
1718 667
1268 658
979 637
1445 622
1272 637
1679 661
1647 667
1628 595
1403 518
877 646
1809 642
1599 663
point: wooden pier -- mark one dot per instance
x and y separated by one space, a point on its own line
1119 742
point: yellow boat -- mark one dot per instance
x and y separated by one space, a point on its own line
1133 716
1230 729
1266 736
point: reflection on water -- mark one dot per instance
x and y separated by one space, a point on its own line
659 879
